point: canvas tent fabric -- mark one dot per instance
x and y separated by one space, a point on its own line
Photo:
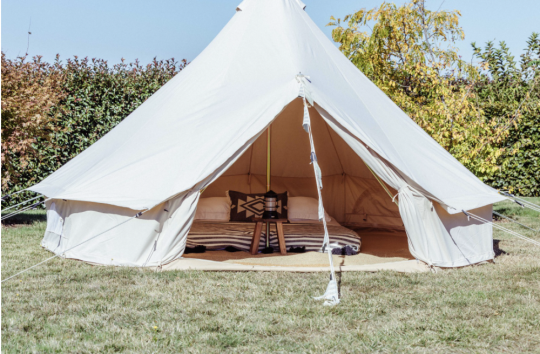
203 129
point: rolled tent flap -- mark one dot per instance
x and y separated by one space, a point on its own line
170 243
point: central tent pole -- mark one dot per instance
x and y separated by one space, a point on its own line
268 159
268 180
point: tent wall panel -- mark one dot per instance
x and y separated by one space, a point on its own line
473 238
130 244
240 183
368 203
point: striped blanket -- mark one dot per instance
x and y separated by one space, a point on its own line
217 236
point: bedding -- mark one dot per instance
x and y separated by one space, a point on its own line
213 209
217 236
305 208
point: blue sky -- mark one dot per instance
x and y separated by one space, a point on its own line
132 29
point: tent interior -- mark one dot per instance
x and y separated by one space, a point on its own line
351 193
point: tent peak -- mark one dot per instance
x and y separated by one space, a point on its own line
246 3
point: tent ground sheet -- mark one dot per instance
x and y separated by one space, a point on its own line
381 250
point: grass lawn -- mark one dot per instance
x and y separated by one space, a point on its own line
70 306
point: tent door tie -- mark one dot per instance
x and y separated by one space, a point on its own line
331 295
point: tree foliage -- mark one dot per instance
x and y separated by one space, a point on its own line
511 88
407 51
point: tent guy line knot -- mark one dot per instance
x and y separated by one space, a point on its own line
313 157
301 76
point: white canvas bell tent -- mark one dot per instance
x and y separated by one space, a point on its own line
205 129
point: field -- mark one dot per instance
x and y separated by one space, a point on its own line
69 306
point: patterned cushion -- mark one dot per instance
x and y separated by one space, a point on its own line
246 206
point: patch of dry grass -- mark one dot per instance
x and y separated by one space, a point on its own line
69 306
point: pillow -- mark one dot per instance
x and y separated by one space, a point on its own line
213 209
246 206
305 208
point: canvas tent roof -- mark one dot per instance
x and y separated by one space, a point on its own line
229 94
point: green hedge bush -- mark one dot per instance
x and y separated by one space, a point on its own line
97 97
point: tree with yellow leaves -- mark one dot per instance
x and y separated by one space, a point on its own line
407 51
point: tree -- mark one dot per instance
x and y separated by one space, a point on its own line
407 51
30 90
507 91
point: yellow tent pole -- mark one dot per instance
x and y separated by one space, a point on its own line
268 159
268 180
381 182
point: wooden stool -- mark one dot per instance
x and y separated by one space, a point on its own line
257 234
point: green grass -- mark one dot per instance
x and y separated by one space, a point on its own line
69 306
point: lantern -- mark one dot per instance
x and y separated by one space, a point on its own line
270 205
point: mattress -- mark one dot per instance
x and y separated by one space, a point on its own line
217 236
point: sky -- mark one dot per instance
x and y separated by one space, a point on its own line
130 29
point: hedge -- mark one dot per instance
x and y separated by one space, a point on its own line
97 97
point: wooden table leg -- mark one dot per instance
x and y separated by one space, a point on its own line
281 238
256 238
